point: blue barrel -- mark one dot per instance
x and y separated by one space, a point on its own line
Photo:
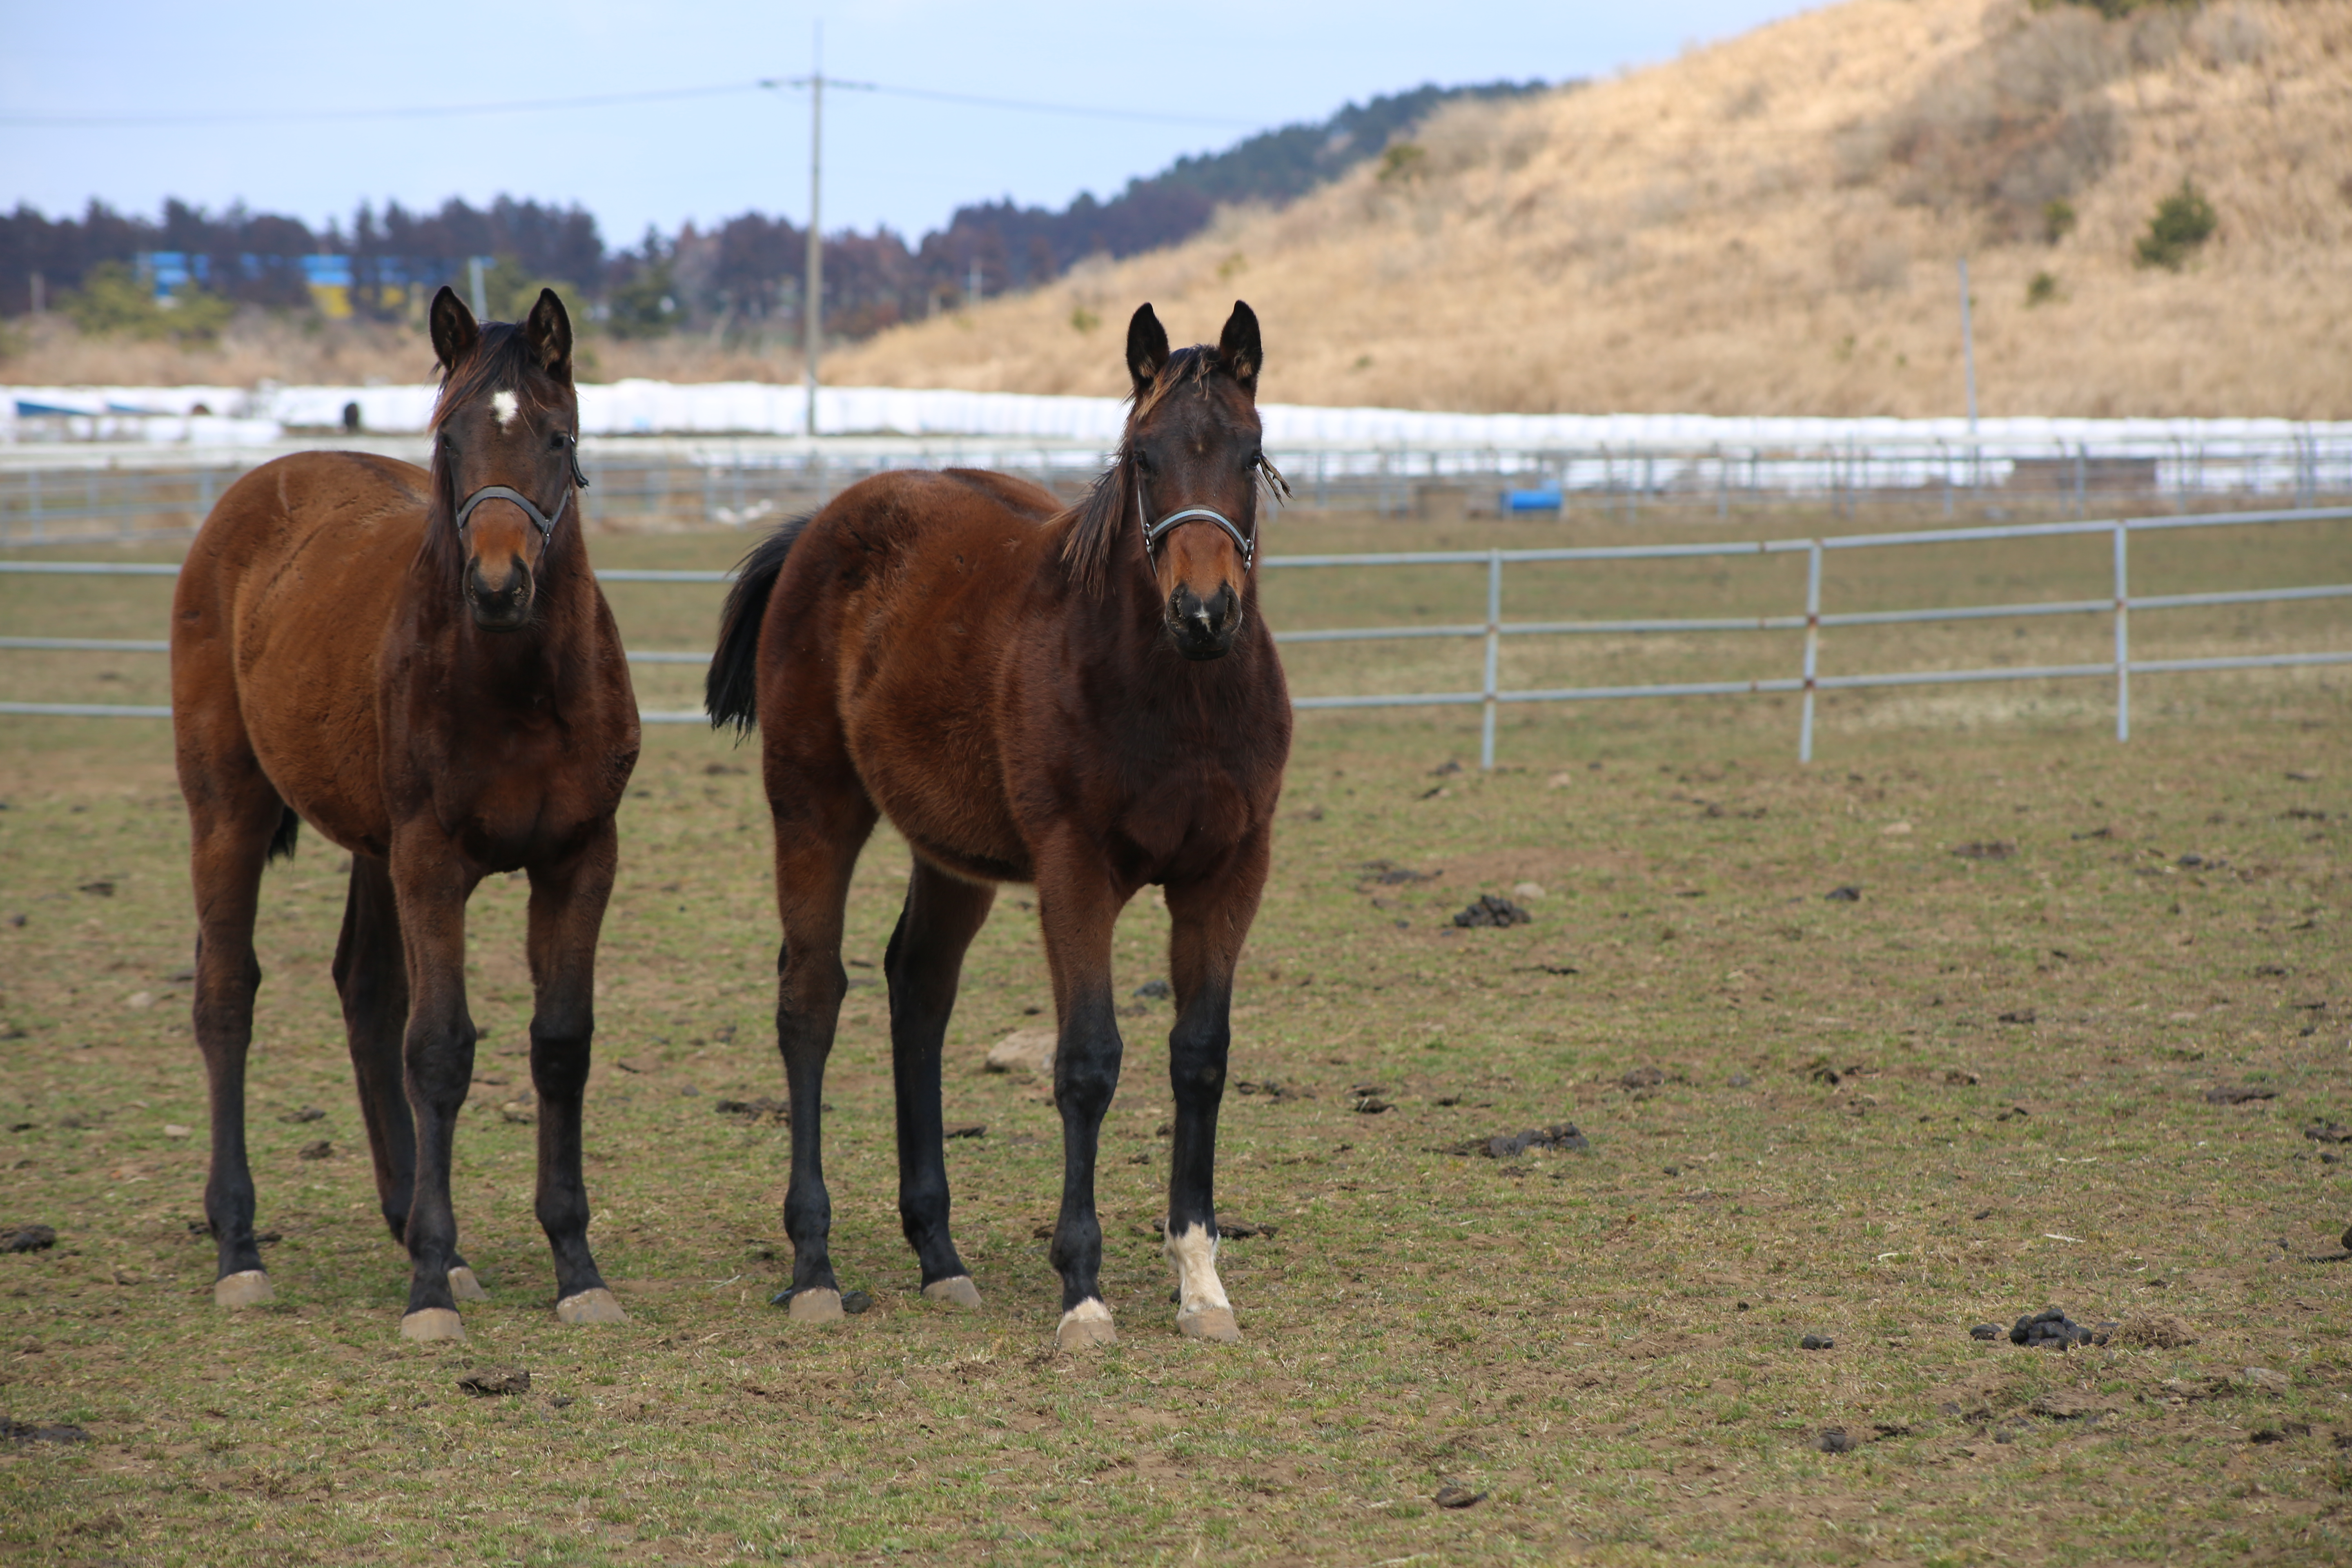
1531 500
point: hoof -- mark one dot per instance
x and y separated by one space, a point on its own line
956 1290
1214 1324
248 1288
1085 1327
465 1287
595 1306
815 1306
432 1323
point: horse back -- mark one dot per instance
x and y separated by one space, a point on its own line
278 627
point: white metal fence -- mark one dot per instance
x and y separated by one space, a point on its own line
54 495
1806 681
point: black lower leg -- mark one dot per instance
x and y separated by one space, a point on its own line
440 1068
808 1004
224 1029
559 1071
371 976
923 963
1197 1049
1085 1076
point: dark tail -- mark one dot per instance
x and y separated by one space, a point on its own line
281 843
730 693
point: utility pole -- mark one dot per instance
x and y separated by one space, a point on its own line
812 321
1967 346
813 302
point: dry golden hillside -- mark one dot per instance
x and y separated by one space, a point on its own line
1770 227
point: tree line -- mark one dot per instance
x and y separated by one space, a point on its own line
742 277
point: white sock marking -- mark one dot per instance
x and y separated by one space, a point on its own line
1090 1310
1194 1251
504 405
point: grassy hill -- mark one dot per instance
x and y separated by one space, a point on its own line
1771 224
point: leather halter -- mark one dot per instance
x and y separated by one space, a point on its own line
546 521
1154 532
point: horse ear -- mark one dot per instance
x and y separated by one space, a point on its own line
453 330
1238 347
549 333
1147 347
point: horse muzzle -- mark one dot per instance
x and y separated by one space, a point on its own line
504 607
1201 628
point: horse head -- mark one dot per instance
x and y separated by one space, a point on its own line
505 449
1194 464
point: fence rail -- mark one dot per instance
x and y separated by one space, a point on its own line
1491 696
53 496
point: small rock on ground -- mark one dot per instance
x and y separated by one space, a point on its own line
1985 1331
1454 1495
1816 1342
1024 1050
1833 1440
30 1238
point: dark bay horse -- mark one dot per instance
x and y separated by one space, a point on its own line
1080 698
419 665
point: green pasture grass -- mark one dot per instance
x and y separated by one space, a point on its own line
1976 1089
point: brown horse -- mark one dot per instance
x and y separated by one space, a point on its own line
420 666
1083 699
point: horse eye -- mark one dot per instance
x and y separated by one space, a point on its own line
555 442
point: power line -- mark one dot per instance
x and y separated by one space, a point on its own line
595 101
419 112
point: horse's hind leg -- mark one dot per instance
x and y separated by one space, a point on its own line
816 848
924 963
567 910
233 815
1208 919
371 977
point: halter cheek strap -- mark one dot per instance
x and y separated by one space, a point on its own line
1154 532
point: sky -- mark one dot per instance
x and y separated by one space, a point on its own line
255 102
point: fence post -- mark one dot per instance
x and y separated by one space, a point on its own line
2082 479
1812 647
2123 636
1493 654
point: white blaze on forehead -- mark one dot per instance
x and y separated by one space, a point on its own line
1194 1251
503 405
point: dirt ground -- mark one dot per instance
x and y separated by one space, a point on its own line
1980 1012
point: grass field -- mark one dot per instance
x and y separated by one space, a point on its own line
1978 1087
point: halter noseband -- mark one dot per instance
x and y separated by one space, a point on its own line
1154 532
546 521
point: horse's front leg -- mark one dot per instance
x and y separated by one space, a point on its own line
431 881
1209 919
1077 907
567 911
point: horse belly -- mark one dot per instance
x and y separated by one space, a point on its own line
308 636
929 760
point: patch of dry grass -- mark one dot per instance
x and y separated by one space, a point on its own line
1976 1089
1769 226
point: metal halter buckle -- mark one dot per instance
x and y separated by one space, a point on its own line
1154 532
